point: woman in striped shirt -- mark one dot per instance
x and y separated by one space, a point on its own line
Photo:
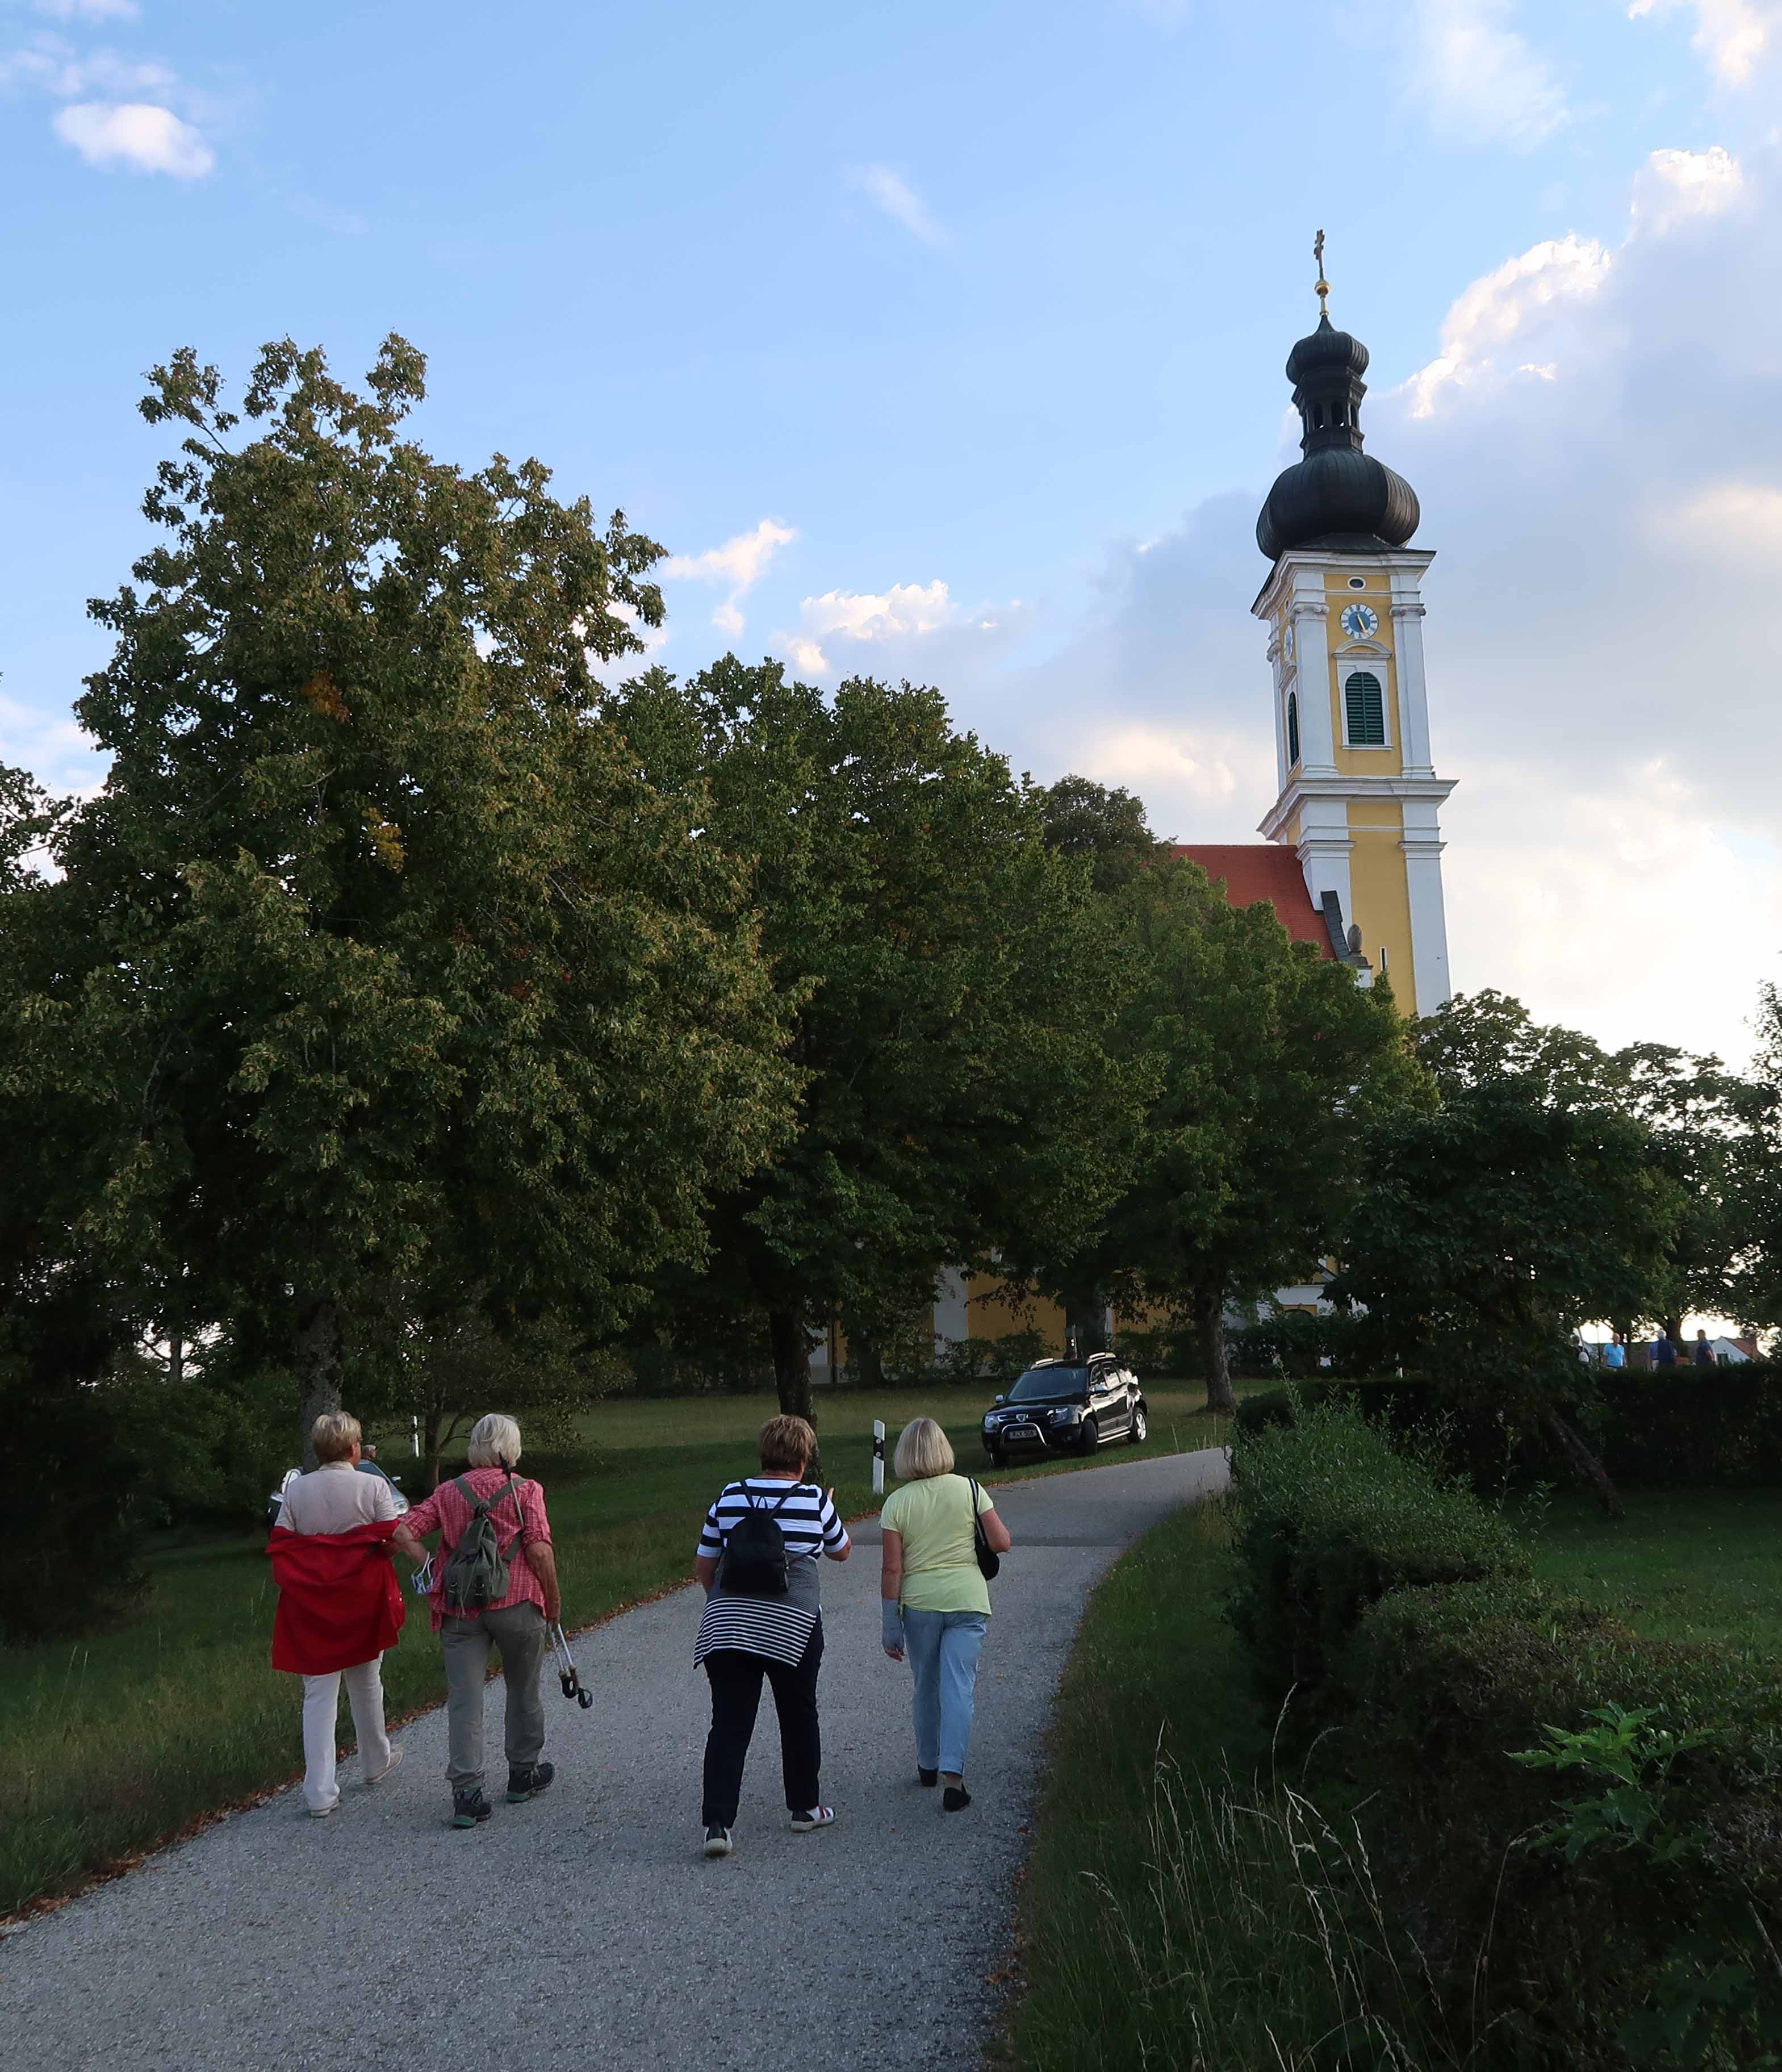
744 1636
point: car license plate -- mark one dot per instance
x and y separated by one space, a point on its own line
1020 1434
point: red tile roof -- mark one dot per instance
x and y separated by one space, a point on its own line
1263 870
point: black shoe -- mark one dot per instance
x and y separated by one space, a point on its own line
717 1840
929 1777
528 1783
468 1807
955 1798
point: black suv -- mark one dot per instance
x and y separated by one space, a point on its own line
1066 1406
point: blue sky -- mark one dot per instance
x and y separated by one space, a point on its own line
946 341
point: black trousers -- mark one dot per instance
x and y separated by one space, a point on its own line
736 1694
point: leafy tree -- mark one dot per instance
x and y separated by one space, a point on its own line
1106 828
1261 1061
943 972
1757 1177
1524 1203
376 962
454 1364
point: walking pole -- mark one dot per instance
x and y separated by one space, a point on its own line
878 1457
567 1675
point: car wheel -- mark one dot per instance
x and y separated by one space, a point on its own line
998 1457
1141 1425
1091 1435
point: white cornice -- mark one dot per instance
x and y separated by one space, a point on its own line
1297 559
1432 789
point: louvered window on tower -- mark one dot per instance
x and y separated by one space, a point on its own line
1292 729
1365 707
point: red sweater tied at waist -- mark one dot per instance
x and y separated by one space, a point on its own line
339 1603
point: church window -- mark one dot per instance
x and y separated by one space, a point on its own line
1363 705
1292 729
1357 583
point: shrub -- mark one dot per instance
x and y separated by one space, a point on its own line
1332 1518
1685 1427
1443 1689
1304 1347
1695 1425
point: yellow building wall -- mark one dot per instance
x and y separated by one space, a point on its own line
1379 892
1387 762
993 1310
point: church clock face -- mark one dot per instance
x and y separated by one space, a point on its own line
1287 641
1360 621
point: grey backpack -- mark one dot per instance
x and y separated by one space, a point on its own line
476 1576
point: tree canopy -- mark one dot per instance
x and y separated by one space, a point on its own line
944 974
376 960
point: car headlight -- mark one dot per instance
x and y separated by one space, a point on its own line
1067 1415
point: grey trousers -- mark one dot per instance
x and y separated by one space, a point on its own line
519 1632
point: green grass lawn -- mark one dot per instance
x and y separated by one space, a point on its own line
109 1743
1684 1564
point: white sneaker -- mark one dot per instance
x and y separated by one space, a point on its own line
718 1842
819 1816
322 1812
378 1776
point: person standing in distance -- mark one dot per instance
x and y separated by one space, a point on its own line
935 1602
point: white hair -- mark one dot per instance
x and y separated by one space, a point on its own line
494 1442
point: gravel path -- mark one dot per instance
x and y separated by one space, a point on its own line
585 1929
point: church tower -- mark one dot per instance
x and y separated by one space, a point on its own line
1359 796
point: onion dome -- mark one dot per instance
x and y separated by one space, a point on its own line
1338 497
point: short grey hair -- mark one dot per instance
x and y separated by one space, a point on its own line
923 1450
334 1434
494 1442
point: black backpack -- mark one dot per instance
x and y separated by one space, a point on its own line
754 1553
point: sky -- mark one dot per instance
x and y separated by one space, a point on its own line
946 342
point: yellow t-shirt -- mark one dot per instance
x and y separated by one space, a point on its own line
940 1562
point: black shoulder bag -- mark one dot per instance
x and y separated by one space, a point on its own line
989 1561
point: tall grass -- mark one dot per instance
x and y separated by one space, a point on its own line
1183 1908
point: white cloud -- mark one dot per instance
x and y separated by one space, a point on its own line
1494 310
137 134
905 608
53 66
739 564
1474 75
1731 34
1736 522
88 10
1673 186
900 202
1620 908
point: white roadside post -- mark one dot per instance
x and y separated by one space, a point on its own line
414 1436
878 1457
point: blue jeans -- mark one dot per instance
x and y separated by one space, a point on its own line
943 1649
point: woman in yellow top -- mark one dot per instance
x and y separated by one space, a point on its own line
935 1604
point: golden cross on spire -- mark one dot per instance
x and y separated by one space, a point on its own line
1322 286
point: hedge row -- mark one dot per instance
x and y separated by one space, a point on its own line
1393 1615
1691 1427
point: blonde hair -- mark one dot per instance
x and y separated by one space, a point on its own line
494 1442
334 1434
787 1442
923 1449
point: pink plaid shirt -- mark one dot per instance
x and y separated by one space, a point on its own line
446 1513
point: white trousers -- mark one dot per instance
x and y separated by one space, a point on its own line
321 1709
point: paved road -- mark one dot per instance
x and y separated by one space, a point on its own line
585 1929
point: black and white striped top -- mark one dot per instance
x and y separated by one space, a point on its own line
779 1628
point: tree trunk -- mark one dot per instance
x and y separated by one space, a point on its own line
317 1363
432 1445
791 1345
1583 1463
1208 1306
176 1358
864 1358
